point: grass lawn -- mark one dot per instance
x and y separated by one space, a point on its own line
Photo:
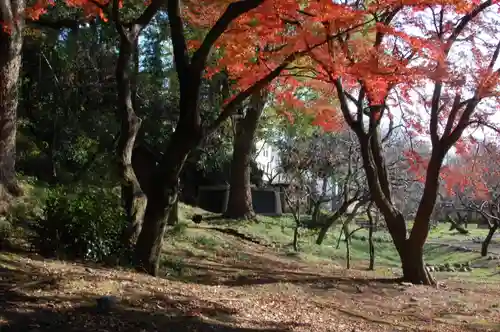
276 232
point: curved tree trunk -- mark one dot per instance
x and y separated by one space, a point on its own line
409 249
133 197
240 193
11 42
487 240
339 213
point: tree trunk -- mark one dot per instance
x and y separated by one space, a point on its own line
11 41
487 240
240 193
348 254
134 199
162 196
295 242
414 270
370 240
412 253
324 229
173 216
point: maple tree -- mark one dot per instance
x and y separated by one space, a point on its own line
474 180
256 41
261 42
416 48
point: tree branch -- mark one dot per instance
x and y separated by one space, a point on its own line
181 57
233 11
66 23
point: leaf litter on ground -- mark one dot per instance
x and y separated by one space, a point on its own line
278 294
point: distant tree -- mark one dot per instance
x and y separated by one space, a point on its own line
475 181
245 128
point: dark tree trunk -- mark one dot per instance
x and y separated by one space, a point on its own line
163 188
240 193
11 42
347 254
371 246
410 250
134 199
162 193
339 213
173 216
295 242
413 265
487 240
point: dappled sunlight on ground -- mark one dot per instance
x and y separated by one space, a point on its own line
254 290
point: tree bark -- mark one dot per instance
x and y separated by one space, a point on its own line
240 193
410 250
339 213
134 199
295 243
413 265
487 240
162 194
371 246
11 41
173 216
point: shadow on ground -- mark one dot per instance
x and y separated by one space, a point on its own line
241 275
28 302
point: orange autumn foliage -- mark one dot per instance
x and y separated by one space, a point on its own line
392 49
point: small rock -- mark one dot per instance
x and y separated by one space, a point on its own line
451 269
413 299
407 284
106 303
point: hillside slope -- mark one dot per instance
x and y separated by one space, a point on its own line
219 282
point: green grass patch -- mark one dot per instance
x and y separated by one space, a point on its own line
278 233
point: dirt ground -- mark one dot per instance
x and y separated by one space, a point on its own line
266 292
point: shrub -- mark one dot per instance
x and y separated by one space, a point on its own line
5 232
80 223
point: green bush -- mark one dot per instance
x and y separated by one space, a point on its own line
80 223
5 232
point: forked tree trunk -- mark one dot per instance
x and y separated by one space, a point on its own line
330 221
409 249
162 193
133 197
240 193
11 41
487 240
